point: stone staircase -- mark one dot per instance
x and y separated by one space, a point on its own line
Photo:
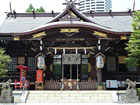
69 97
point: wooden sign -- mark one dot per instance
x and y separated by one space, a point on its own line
71 59
123 37
69 30
70 39
16 38
122 59
21 60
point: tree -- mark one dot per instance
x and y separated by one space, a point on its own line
4 60
41 9
31 8
133 45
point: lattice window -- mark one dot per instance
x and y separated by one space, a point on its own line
132 68
12 65
111 64
32 63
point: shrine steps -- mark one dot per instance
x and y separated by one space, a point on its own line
69 97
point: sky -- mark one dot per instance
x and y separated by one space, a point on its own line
20 6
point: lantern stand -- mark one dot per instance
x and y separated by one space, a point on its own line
23 82
39 73
99 64
39 80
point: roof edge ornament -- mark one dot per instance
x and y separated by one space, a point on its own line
70 3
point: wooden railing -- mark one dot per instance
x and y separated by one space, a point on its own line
53 85
83 85
87 85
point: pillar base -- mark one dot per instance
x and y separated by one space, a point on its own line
100 87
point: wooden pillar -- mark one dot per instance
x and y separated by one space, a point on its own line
62 80
100 77
71 76
77 78
89 66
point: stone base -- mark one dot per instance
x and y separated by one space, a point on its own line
100 88
131 96
6 99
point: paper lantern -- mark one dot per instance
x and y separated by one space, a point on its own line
40 62
99 62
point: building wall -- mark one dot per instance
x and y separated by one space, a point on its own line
95 5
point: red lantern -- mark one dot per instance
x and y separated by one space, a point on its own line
39 74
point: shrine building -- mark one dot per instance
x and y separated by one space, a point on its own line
70 42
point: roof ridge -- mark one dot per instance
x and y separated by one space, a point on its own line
74 9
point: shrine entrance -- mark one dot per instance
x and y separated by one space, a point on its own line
70 71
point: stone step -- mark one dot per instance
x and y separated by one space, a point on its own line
65 95
70 101
69 97
71 92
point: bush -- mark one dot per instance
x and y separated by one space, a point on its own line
0 90
138 89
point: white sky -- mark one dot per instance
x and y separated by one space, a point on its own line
20 6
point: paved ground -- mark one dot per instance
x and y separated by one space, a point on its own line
72 104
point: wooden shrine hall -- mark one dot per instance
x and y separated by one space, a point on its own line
70 41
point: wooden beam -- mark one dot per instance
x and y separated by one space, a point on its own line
71 47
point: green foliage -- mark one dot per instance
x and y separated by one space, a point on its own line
138 90
4 60
133 45
29 9
38 10
0 90
41 9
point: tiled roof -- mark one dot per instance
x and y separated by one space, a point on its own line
24 22
118 23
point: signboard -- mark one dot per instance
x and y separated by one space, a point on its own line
21 60
123 37
71 59
111 83
70 39
16 38
69 30
122 59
